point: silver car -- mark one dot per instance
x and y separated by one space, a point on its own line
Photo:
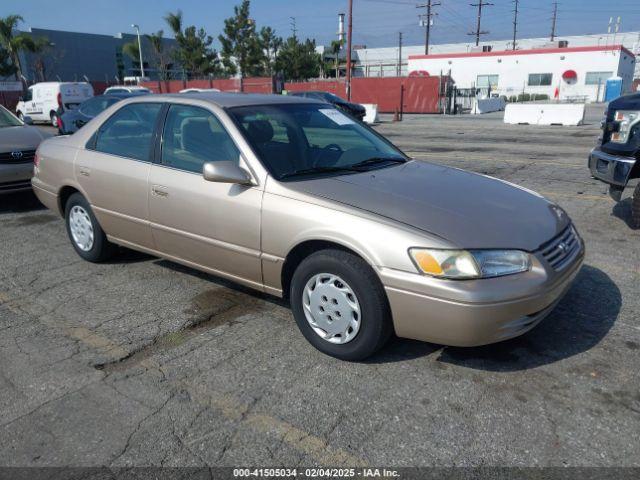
293 197
18 144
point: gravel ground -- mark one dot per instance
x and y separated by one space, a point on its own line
144 362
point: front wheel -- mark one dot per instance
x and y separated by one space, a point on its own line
635 208
340 305
86 235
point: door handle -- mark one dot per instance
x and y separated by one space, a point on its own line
84 171
159 190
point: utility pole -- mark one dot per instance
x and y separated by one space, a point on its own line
399 69
553 21
427 22
515 23
349 40
293 26
478 31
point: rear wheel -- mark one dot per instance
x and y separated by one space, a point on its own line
20 116
340 305
54 119
635 208
86 235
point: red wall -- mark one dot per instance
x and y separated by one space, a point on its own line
419 94
248 85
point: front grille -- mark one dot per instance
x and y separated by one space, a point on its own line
17 156
11 186
560 251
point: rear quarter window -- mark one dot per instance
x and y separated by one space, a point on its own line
129 132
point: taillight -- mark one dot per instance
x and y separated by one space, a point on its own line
36 159
60 99
60 124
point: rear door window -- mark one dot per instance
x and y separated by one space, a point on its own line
129 132
194 136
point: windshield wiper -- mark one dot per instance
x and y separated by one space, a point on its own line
307 171
377 160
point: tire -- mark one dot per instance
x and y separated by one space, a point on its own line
54 119
20 116
92 246
635 208
373 315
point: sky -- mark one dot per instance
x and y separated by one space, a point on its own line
376 23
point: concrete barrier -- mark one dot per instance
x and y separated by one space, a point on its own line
487 105
371 112
544 114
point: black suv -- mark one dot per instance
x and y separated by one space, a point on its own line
617 159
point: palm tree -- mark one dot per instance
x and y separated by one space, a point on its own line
174 20
41 46
336 46
14 44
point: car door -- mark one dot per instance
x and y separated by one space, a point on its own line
31 104
114 168
207 224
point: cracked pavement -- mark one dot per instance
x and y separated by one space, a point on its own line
142 362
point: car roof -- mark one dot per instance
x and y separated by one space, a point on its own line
229 100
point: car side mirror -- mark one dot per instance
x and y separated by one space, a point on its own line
225 172
27 120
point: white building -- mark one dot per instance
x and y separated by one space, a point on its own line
569 73
379 62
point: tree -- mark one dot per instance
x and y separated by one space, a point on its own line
336 46
160 55
194 52
14 44
270 44
42 50
241 49
299 61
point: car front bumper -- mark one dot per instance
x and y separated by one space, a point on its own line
15 177
611 169
476 312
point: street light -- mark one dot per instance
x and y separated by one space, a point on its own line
133 25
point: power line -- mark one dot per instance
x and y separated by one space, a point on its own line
479 31
427 21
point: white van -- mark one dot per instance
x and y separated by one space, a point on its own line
44 101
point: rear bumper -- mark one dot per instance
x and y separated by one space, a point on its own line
15 177
478 312
48 198
611 169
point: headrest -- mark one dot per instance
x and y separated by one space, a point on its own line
260 131
195 133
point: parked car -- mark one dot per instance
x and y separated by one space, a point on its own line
72 120
616 160
199 90
354 109
43 102
18 143
294 198
127 89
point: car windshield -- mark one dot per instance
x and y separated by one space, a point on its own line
95 105
7 119
295 141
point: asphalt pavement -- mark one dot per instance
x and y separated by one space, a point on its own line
141 361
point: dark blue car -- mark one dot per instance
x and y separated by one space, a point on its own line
72 120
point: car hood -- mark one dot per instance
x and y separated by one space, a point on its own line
470 210
22 137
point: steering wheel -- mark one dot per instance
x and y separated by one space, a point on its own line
333 147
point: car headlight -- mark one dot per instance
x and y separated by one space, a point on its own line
468 264
627 119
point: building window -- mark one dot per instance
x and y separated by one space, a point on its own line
540 79
597 78
487 81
